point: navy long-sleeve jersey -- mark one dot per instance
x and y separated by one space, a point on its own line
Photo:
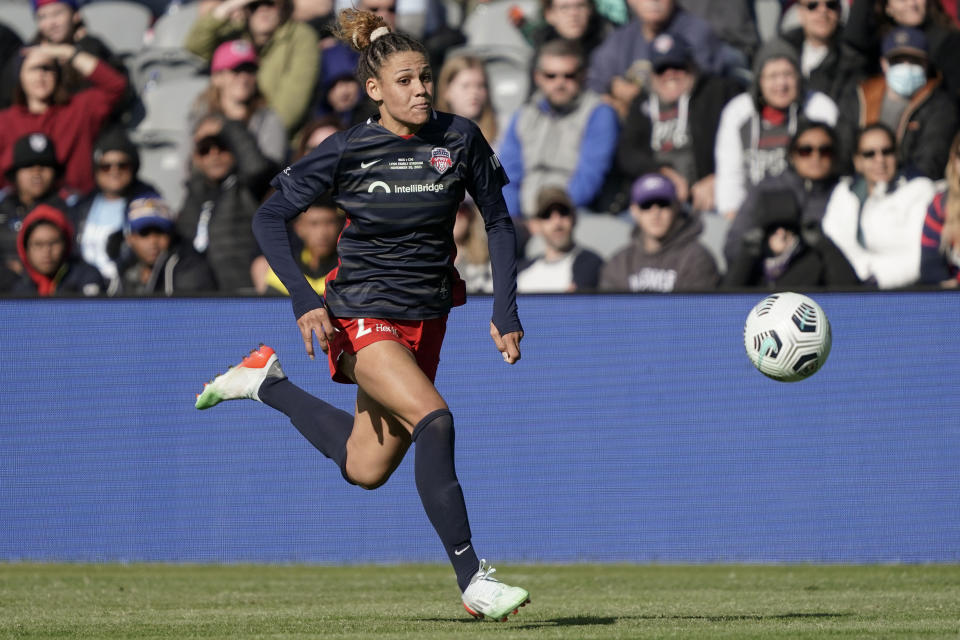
400 195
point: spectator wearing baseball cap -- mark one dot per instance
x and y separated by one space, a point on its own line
909 98
672 126
563 267
665 254
233 93
288 51
33 176
159 263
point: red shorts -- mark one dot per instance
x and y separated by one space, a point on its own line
422 337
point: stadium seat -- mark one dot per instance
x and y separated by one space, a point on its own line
163 163
170 30
121 25
168 104
152 66
18 15
489 24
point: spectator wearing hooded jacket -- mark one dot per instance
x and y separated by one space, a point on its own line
100 216
877 217
666 254
42 104
45 245
756 126
672 126
620 66
159 263
33 179
909 99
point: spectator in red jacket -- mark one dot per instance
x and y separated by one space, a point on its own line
40 104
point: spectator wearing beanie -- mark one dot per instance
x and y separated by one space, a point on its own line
33 179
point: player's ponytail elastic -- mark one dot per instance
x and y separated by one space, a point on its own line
368 34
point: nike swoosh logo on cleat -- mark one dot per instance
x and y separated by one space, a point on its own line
461 551
364 165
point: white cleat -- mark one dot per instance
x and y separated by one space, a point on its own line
243 380
487 597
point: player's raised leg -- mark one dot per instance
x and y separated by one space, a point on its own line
259 377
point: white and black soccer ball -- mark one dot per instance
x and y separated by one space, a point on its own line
787 336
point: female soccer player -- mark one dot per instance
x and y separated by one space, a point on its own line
400 179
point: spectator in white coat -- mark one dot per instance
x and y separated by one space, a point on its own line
876 218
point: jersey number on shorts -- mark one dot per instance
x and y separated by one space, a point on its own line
361 330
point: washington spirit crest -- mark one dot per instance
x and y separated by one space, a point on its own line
440 159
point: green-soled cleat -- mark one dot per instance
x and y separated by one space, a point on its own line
487 597
243 380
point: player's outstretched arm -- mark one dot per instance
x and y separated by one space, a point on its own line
508 344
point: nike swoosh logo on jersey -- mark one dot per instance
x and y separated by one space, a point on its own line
364 165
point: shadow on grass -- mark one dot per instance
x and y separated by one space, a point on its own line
587 621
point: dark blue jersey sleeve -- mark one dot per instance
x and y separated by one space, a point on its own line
486 179
313 175
270 229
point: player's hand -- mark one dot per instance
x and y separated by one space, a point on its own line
508 345
316 321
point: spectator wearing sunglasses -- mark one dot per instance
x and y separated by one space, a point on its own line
563 135
100 215
909 99
776 239
287 50
672 125
665 254
563 267
229 178
810 176
876 218
818 42
870 21
158 262
234 94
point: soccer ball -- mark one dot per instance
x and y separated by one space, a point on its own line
787 337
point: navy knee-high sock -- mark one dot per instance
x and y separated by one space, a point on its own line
440 492
326 427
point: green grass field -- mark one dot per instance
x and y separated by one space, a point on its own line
421 602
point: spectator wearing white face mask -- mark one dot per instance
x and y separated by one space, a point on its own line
909 99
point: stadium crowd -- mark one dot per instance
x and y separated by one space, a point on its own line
652 145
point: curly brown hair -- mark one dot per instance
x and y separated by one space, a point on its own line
355 28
